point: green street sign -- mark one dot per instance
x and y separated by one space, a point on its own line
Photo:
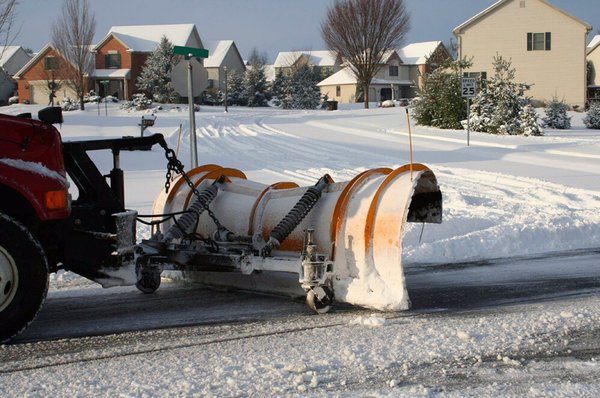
190 52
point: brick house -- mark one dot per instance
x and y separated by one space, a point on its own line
122 53
47 69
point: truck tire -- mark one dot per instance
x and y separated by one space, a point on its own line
23 277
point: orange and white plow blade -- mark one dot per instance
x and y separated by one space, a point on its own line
358 225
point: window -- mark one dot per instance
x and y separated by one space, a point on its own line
338 91
112 61
393 70
50 63
539 41
479 75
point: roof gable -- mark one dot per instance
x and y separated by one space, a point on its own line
501 3
33 61
418 53
593 44
145 38
217 52
318 58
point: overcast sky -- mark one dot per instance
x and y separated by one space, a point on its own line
267 25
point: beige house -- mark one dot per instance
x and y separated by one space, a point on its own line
223 57
394 80
326 62
426 56
593 59
546 45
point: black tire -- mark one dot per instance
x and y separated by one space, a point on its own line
23 277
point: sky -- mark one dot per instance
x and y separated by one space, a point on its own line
269 26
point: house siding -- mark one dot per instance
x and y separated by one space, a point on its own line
558 73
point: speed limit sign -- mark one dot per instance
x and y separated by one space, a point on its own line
469 87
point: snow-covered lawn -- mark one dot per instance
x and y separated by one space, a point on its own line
503 196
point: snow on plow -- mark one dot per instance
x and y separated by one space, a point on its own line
333 239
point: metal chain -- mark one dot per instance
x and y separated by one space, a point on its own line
174 164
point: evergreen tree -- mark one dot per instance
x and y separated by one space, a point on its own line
305 92
255 81
497 107
592 118
155 79
236 93
278 87
439 103
529 124
556 115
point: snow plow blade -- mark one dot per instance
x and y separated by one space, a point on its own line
336 239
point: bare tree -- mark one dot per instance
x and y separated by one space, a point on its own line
7 19
72 34
362 32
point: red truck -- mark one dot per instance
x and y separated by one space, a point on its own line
43 229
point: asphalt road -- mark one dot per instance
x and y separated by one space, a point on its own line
94 311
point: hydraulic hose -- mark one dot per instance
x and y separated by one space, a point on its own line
295 216
188 220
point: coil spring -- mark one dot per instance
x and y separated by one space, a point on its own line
295 216
190 217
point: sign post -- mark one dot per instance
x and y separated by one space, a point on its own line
468 90
189 53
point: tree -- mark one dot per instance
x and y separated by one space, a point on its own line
362 32
236 93
155 79
556 115
72 34
255 80
278 87
439 103
592 118
529 124
496 108
305 92
7 19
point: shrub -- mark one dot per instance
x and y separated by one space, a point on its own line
556 115
138 102
592 118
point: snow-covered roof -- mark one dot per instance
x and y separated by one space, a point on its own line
114 73
593 44
145 38
318 58
417 53
7 52
346 76
458 30
217 50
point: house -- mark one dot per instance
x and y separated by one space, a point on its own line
326 62
593 60
223 58
120 57
426 56
47 72
393 80
12 58
547 47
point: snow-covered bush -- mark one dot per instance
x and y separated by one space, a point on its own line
529 124
236 93
68 104
91 97
13 100
498 106
439 103
592 118
138 102
556 115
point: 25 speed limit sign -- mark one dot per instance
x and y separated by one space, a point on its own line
469 87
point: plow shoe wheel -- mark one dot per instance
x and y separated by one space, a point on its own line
320 299
149 280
